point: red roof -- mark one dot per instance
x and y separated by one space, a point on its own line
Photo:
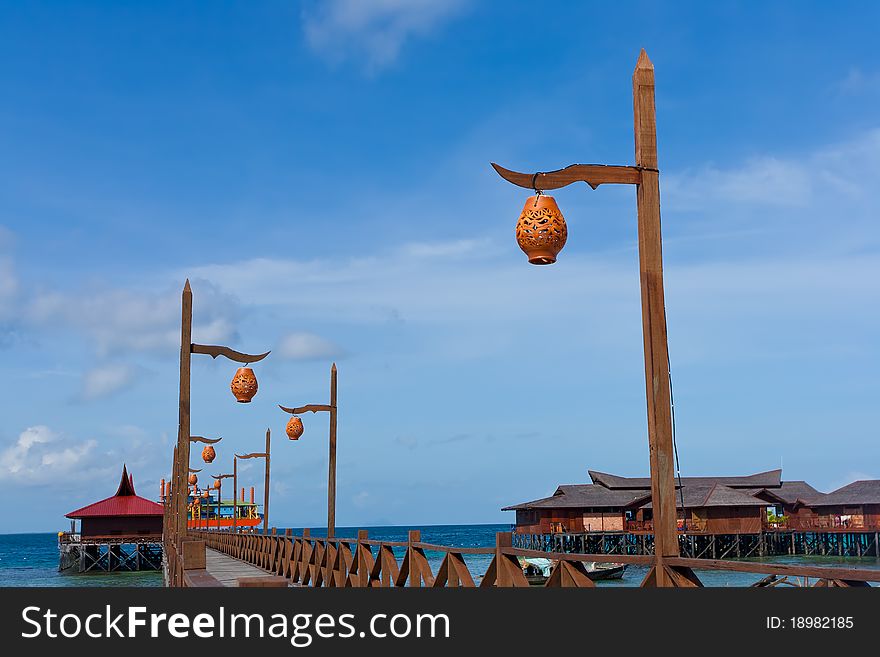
124 503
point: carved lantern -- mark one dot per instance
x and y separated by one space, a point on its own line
205 494
244 385
294 428
541 231
217 484
193 479
208 454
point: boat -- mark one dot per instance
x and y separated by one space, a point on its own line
203 515
537 570
204 511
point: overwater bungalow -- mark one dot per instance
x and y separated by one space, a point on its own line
749 514
121 532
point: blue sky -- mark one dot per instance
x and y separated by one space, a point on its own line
320 172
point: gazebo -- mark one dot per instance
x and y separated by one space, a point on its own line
124 515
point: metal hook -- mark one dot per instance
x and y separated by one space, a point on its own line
538 192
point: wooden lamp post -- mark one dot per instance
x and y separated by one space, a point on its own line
264 455
220 479
532 233
206 441
187 349
331 479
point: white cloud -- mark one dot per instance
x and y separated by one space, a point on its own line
106 379
373 30
857 81
307 346
449 249
762 180
825 176
121 320
8 288
36 458
9 284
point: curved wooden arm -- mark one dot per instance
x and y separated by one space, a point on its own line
223 476
314 408
252 455
200 439
195 470
213 351
592 174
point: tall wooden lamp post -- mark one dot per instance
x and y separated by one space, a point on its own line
264 455
220 479
541 233
210 443
331 479
187 349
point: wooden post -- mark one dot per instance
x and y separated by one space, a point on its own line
331 485
266 492
219 501
170 527
654 320
181 485
234 494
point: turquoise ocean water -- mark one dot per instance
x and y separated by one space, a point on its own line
32 559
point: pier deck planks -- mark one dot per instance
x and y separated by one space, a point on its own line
228 569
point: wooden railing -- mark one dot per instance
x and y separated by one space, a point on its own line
307 560
823 523
637 526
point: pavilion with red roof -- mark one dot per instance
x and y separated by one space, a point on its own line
125 514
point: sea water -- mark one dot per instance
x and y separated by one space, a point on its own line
32 559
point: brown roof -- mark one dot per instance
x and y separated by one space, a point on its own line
865 491
699 496
769 479
584 495
791 492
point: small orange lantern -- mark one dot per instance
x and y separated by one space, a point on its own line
244 385
541 231
217 484
295 428
193 479
208 454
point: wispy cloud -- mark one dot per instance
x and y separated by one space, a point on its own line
117 320
373 31
308 346
858 81
8 288
9 283
769 181
105 380
445 249
39 457
762 180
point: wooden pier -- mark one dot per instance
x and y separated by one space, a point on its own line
229 570
282 559
108 554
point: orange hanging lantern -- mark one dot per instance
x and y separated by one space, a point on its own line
217 484
541 231
205 494
244 385
208 454
295 428
193 479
